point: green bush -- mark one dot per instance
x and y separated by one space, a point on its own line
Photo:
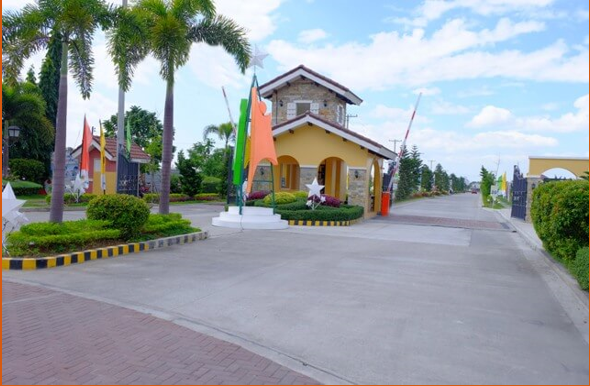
69 236
211 184
27 169
324 213
207 197
70 199
127 213
560 216
24 188
164 225
579 268
280 198
152 198
300 194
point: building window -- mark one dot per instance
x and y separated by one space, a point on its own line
340 114
302 108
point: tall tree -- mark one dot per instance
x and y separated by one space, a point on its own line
31 78
225 132
28 31
416 168
167 29
23 106
405 182
426 179
49 76
439 177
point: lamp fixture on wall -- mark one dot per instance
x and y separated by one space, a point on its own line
281 103
325 103
356 174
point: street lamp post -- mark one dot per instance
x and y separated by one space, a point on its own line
11 132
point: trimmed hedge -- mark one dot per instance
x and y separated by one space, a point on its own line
323 213
164 225
23 188
154 198
259 195
27 169
280 198
207 197
301 194
49 238
211 184
560 216
70 199
580 268
127 213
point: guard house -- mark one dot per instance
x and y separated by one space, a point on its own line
309 117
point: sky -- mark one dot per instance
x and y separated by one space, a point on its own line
501 80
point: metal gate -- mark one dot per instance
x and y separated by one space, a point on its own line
519 193
128 173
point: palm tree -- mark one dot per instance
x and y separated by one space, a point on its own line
28 31
167 29
24 107
225 132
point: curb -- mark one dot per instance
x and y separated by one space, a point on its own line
315 223
100 253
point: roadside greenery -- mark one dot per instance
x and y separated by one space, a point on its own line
560 216
22 188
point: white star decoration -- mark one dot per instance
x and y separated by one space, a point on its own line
11 217
256 59
314 189
78 186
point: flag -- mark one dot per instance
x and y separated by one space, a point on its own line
85 159
504 183
128 139
103 161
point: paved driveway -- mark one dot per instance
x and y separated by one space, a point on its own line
378 302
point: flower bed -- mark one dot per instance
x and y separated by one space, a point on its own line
299 210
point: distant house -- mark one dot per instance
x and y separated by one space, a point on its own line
137 157
312 140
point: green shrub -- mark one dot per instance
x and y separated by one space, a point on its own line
300 194
23 188
175 184
28 169
207 197
324 213
165 225
579 268
127 213
69 236
152 198
211 184
560 216
70 199
280 198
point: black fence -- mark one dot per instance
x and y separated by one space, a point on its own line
519 194
128 175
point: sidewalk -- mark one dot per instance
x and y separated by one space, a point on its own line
525 229
49 337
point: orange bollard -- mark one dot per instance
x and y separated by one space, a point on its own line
385 197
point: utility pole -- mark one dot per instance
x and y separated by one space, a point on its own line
395 141
348 116
120 130
431 162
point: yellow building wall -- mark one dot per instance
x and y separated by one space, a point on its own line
111 180
538 166
310 145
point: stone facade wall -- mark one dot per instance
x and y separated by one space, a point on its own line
307 90
306 176
262 174
357 188
529 195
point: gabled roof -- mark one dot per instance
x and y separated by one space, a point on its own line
267 89
137 153
310 118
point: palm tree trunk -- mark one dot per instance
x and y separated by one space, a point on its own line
167 138
5 149
59 162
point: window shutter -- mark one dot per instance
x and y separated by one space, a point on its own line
339 114
315 108
291 109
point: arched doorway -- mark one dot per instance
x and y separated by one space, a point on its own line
558 174
332 173
375 187
288 173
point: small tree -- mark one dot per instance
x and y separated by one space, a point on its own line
190 176
426 179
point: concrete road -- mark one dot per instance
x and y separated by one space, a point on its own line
378 302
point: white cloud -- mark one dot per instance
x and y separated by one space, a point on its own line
214 67
566 123
431 10
441 107
427 91
257 16
450 53
395 114
311 35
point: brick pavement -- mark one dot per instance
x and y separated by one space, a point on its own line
49 337
446 222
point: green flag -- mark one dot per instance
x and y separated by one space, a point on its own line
128 139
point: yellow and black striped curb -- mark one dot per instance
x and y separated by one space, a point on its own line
316 223
100 253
